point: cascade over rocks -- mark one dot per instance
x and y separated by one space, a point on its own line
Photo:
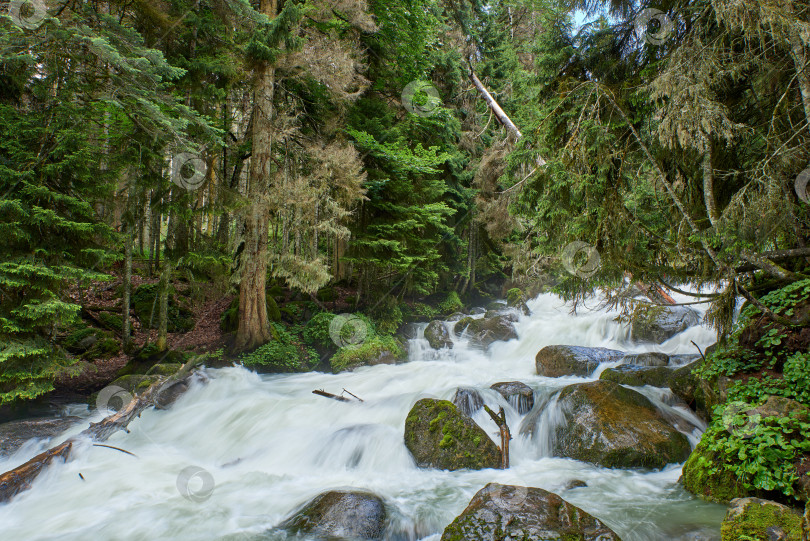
651 358
468 400
661 323
636 376
340 514
499 512
438 435
518 394
437 335
615 427
557 361
485 331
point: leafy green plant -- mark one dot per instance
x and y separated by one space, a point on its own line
284 353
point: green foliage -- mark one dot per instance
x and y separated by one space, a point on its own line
451 304
316 331
368 352
284 353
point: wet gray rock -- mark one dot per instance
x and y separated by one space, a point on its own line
637 376
661 323
651 358
340 514
557 361
502 512
518 394
468 400
437 335
14 434
485 331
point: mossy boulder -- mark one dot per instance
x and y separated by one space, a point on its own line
515 298
519 395
146 304
82 339
438 435
753 519
636 376
660 323
437 335
372 351
451 303
558 361
615 427
499 512
339 515
103 349
686 386
146 358
484 331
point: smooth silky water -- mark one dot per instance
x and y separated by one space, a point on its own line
271 445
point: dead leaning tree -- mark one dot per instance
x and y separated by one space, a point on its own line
506 435
20 478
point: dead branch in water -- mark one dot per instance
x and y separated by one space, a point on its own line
19 479
337 397
506 435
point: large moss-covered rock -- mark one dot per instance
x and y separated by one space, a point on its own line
753 519
437 335
438 435
371 352
557 361
636 376
339 515
660 323
503 512
612 426
486 330
518 394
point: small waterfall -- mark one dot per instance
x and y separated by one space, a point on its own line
270 445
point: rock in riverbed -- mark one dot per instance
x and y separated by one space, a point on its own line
500 512
485 331
518 394
612 426
661 323
437 335
340 515
438 435
557 361
15 433
468 400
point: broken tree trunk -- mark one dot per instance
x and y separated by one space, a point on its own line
499 113
500 420
20 478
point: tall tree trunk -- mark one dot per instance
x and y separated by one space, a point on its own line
499 113
708 186
799 54
125 334
253 327
163 301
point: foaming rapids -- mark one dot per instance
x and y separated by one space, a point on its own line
270 445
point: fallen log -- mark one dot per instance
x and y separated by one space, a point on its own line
332 396
500 420
20 478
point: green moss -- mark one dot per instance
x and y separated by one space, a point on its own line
103 349
146 306
705 476
371 350
111 321
514 297
451 304
753 523
286 352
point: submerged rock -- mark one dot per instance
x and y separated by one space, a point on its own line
437 335
468 400
438 435
340 515
14 434
501 512
661 323
518 394
557 361
637 376
752 518
612 426
651 358
485 331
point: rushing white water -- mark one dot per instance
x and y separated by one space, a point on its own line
270 445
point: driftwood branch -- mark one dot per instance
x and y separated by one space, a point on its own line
500 420
20 478
332 396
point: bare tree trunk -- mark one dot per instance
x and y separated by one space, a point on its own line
163 302
496 109
125 334
799 54
708 186
253 323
